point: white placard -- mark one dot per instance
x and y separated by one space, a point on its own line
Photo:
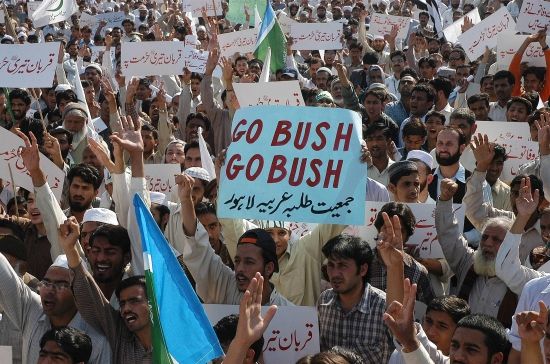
534 15
292 334
453 31
283 93
285 22
161 177
515 138
28 65
195 59
99 125
6 354
382 24
508 44
213 7
424 238
243 41
112 20
32 6
485 33
53 11
316 35
97 53
9 148
152 58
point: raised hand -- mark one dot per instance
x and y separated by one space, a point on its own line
212 62
227 69
52 147
102 154
531 324
390 241
543 133
365 154
185 186
130 137
68 234
527 202
468 24
400 320
132 89
29 153
484 152
447 189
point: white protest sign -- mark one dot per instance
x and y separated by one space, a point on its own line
32 6
10 144
508 44
161 177
99 125
382 24
195 59
534 15
112 20
213 7
515 138
28 65
152 58
424 238
292 334
97 53
6 354
453 31
316 35
485 33
285 22
283 93
243 41
53 11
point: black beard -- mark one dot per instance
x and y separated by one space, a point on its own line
77 206
447 161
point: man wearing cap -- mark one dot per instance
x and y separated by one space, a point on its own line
404 183
75 120
217 283
424 163
321 78
93 74
34 314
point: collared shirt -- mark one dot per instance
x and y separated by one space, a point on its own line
497 112
23 307
413 270
396 111
360 329
381 177
500 193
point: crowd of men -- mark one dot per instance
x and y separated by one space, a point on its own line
72 285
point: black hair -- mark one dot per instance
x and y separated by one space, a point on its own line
454 306
116 235
200 116
463 114
86 172
11 203
68 95
370 58
374 127
415 127
430 61
500 152
75 343
226 329
429 91
130 282
461 136
437 114
204 208
520 100
14 227
151 128
406 216
478 97
539 72
18 93
494 333
504 74
346 246
442 84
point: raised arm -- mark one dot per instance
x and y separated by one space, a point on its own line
185 100
515 65
390 249
532 327
543 130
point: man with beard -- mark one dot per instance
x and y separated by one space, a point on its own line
399 110
476 280
479 211
128 330
20 102
503 84
75 120
34 314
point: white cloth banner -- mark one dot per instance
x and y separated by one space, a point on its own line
237 42
152 58
292 334
485 33
195 59
53 11
283 93
515 138
28 65
213 7
382 24
533 16
9 155
453 31
316 35
161 177
508 44
424 238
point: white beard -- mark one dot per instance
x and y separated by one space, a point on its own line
483 266
79 136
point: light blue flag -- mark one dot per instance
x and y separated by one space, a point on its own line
180 329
